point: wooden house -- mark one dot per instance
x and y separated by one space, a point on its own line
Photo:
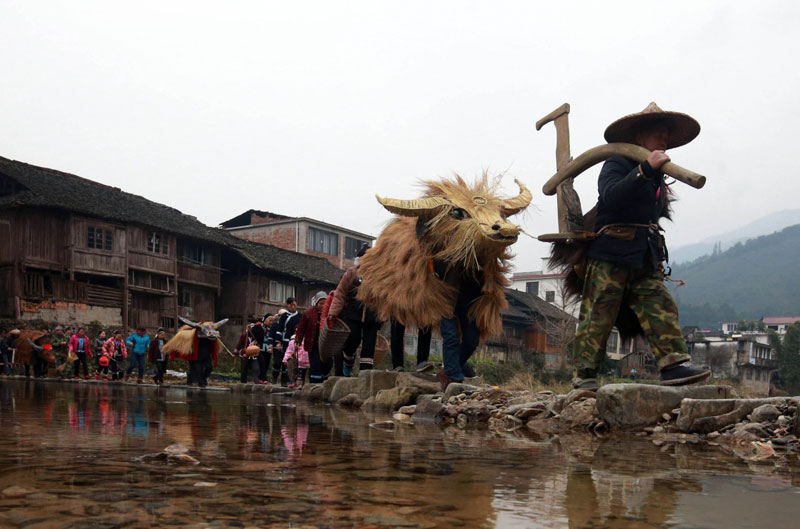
74 251
532 324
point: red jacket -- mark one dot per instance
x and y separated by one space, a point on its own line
307 332
73 344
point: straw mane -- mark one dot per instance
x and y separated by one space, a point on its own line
398 278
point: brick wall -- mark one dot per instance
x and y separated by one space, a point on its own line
280 236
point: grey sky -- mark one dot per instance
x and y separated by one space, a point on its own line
311 108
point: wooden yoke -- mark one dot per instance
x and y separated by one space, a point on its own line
570 217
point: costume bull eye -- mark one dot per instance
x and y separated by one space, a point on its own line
459 214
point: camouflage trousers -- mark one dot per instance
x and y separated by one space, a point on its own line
609 285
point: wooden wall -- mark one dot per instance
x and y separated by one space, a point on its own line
94 260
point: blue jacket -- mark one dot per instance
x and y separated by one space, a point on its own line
138 344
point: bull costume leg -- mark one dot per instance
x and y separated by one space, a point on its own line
398 348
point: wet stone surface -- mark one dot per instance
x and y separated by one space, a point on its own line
75 456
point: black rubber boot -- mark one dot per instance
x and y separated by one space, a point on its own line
682 375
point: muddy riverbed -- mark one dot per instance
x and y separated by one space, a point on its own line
90 455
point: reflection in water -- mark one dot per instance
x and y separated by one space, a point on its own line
283 463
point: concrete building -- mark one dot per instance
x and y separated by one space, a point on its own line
299 234
779 323
744 357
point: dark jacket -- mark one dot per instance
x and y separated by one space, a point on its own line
274 334
629 194
288 324
307 333
154 351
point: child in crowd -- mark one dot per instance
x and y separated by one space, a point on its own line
296 361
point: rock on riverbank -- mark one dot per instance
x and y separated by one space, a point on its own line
752 428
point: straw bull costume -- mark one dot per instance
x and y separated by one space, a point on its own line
443 261
198 343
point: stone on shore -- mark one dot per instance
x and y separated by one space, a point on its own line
343 387
628 405
457 388
705 416
394 398
765 413
350 401
376 380
429 408
327 388
426 383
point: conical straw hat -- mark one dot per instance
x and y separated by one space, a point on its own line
682 127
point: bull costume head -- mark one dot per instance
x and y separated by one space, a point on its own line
207 330
464 225
461 226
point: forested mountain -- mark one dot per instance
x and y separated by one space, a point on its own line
766 225
750 280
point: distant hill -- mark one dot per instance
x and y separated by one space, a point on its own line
753 279
763 226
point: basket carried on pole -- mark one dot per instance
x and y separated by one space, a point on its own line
332 337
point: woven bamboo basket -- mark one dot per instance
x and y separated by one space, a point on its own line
252 351
332 338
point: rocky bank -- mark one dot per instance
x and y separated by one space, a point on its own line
754 429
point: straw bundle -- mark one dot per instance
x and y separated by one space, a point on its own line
182 344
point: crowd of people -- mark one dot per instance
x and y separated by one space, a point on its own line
73 350
280 349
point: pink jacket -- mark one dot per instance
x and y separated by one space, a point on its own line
73 344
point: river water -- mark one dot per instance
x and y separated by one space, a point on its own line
284 463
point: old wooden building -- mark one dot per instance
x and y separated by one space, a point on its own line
74 251
532 324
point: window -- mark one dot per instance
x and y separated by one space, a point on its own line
322 241
351 247
194 254
550 296
99 239
611 345
532 287
184 296
278 292
157 243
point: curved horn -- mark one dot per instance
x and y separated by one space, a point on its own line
220 323
190 323
512 206
628 150
422 207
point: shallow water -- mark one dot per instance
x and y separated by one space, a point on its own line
284 463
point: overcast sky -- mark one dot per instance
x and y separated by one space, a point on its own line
311 108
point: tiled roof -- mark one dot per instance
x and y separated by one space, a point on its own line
58 190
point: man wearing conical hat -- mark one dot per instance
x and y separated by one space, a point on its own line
624 268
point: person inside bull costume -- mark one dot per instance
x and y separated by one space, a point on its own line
623 274
198 343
